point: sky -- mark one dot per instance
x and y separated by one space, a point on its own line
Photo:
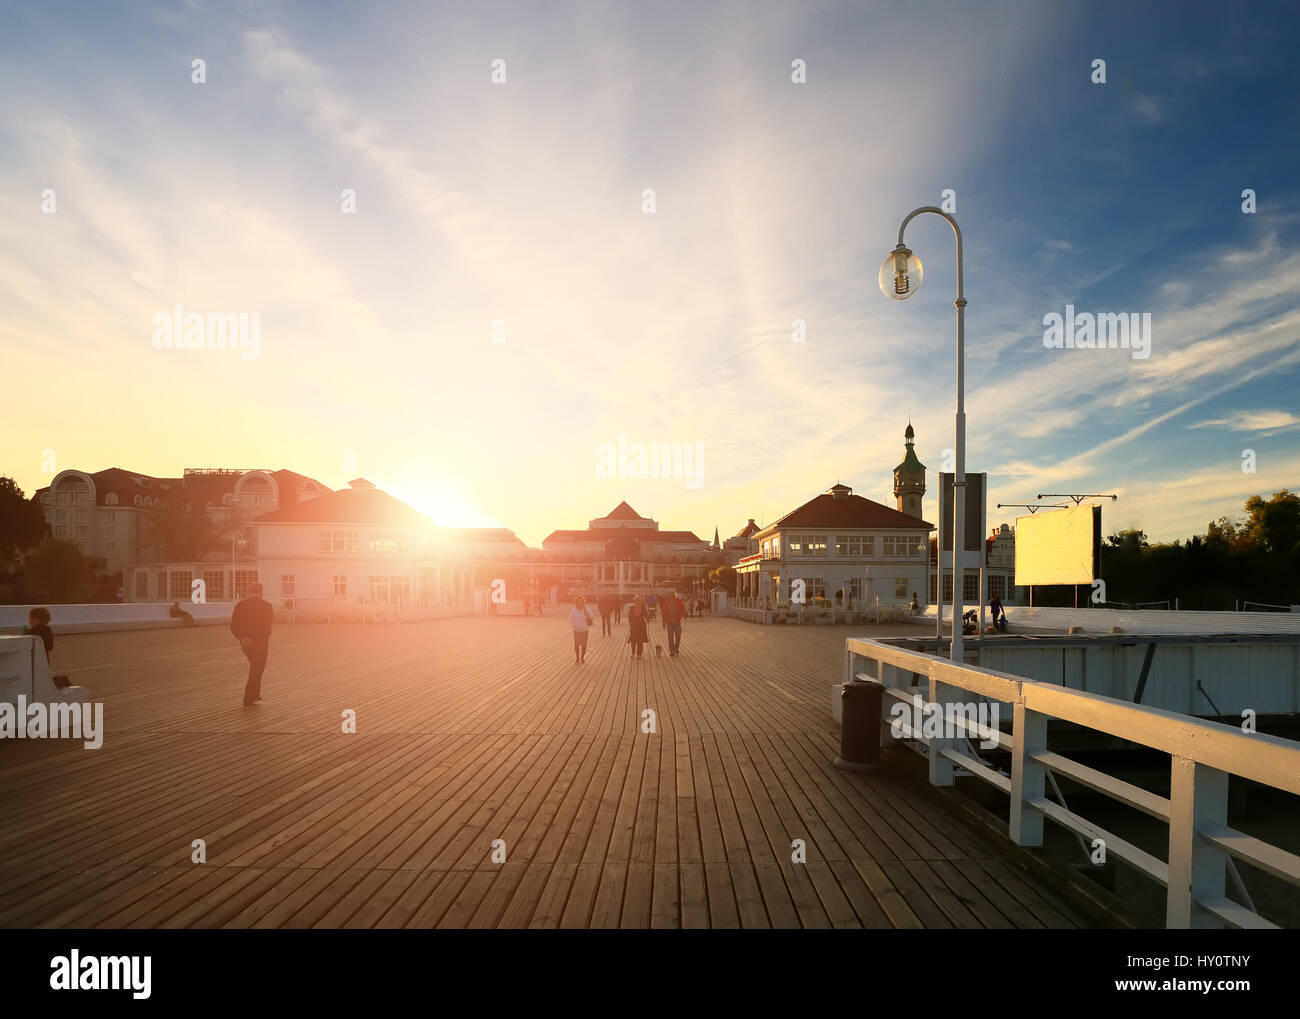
615 244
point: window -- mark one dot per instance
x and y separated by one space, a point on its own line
814 545
997 586
244 579
111 546
215 583
287 584
947 587
933 587
337 541
110 531
814 587
110 499
142 585
900 587
855 588
61 515
161 587
180 585
970 587
856 545
61 532
394 590
899 546
340 585
386 542
794 544
83 516
81 532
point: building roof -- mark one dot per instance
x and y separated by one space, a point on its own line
852 511
483 535
607 533
360 504
748 529
623 512
194 486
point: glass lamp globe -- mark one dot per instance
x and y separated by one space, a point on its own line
900 274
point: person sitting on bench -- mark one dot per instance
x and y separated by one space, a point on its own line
176 612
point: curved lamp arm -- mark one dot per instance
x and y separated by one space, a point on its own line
961 281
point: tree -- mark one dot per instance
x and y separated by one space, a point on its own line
1274 526
56 572
724 575
181 537
22 521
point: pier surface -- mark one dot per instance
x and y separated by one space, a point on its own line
476 738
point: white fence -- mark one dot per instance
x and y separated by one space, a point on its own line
1203 754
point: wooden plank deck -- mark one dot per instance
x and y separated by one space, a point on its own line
470 731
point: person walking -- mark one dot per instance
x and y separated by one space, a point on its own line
998 612
673 610
251 625
606 605
580 620
637 632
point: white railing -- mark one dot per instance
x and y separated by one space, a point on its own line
1203 754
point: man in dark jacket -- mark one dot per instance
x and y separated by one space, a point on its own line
251 625
606 604
673 609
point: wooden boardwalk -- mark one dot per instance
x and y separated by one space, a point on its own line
470 731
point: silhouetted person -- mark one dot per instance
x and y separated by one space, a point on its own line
38 625
999 614
672 611
251 625
176 612
580 620
605 603
637 633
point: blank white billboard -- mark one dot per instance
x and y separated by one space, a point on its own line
1057 547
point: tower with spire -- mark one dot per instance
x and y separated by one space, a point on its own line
909 478
717 546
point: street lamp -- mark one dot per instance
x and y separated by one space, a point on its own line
900 278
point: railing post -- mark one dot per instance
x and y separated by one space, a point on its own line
889 680
941 768
1198 798
1028 778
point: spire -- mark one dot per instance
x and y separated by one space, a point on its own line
909 477
716 545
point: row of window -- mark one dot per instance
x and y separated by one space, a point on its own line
970 587
377 543
893 546
854 587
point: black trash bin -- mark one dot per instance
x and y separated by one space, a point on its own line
860 718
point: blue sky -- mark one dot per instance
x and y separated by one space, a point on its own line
775 201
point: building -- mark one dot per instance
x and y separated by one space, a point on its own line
737 547
999 572
625 553
848 551
122 517
360 546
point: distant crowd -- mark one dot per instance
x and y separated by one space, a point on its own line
670 607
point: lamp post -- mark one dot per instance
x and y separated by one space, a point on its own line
900 277
237 541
